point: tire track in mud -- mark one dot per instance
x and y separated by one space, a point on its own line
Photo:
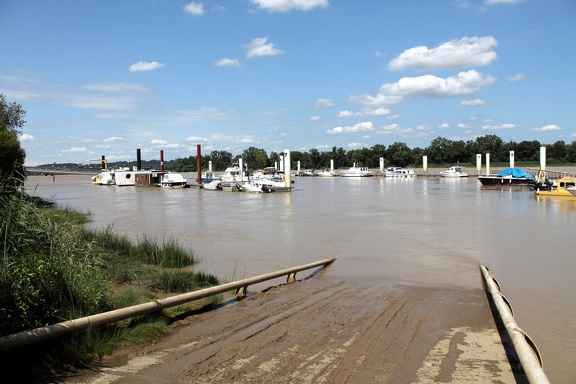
314 331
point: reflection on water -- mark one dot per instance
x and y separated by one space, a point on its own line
420 231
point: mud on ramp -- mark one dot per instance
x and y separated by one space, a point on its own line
325 331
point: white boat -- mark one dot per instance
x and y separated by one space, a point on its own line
214 185
256 187
270 181
230 186
105 177
233 174
399 172
453 172
356 172
173 180
326 172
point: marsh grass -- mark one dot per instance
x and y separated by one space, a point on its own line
52 269
168 253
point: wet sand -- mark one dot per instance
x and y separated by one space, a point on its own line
324 330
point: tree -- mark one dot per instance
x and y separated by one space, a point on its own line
255 158
493 145
527 150
12 155
220 160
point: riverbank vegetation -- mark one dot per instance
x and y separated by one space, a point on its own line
52 269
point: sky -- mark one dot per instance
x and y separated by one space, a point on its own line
109 77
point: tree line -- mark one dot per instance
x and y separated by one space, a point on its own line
441 151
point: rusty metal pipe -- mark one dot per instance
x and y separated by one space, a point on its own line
525 348
55 330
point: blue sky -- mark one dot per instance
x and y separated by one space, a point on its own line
109 77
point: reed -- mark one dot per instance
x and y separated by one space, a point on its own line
52 269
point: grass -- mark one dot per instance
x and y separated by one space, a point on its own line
52 269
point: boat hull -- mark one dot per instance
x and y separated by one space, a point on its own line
504 181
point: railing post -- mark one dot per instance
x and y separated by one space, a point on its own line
241 292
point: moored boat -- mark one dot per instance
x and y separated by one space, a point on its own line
233 174
214 185
355 171
208 176
399 172
508 177
105 177
326 172
453 172
173 180
563 187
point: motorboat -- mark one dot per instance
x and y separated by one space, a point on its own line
399 172
563 187
173 180
355 171
453 172
233 174
208 176
326 172
269 181
214 185
307 172
256 187
508 177
230 186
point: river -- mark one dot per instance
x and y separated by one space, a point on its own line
420 232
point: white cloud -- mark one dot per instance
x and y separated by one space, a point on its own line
226 62
194 8
473 103
289 5
502 1
455 54
74 150
261 47
499 127
378 112
113 139
315 118
115 87
465 83
26 137
158 142
143 66
323 103
196 139
379 99
443 125
548 128
345 114
464 126
517 77
246 140
360 127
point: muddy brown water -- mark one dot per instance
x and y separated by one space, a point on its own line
424 232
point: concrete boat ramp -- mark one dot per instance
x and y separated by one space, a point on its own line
325 330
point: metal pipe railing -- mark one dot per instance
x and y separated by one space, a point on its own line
526 350
55 330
